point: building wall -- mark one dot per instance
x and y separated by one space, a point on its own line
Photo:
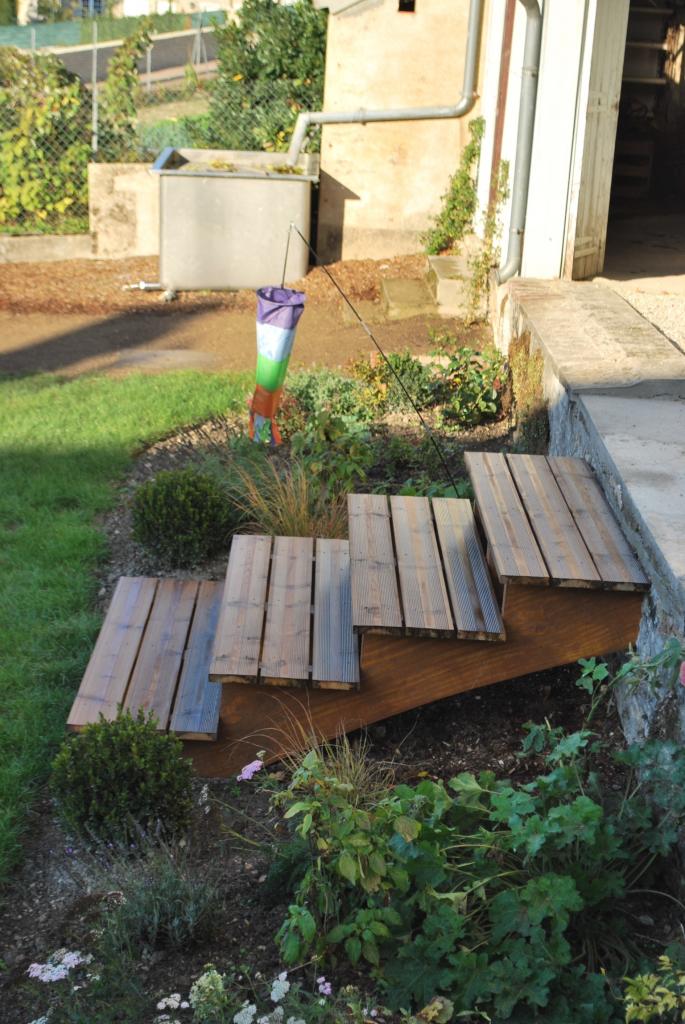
382 183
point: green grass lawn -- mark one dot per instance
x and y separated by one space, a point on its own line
64 445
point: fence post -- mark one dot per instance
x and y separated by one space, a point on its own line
33 42
94 89
148 68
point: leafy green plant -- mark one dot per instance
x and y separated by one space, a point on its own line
658 996
424 486
123 775
339 458
460 201
382 390
270 67
473 382
44 140
184 515
323 391
515 900
481 263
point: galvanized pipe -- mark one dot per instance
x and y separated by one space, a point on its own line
465 104
524 140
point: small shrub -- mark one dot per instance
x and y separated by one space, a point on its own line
121 775
382 391
290 503
658 997
183 515
167 901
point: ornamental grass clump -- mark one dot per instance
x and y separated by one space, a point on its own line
116 779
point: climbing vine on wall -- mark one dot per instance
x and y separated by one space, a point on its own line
460 202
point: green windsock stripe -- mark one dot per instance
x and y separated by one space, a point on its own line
271 373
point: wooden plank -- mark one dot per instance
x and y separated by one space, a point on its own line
512 545
611 553
560 541
422 584
474 603
335 649
154 678
285 654
545 627
375 594
106 678
241 620
196 708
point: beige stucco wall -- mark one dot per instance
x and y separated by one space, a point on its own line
381 183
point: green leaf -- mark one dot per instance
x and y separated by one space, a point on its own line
347 866
353 948
408 828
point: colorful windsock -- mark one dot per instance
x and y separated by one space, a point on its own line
278 311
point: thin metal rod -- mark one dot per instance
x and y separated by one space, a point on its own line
369 332
287 247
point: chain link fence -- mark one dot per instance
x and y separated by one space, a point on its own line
54 118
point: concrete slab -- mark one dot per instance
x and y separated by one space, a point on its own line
44 248
644 440
403 298
595 341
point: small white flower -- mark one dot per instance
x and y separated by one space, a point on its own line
280 988
246 1015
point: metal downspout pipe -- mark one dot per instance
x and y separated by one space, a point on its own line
524 140
465 104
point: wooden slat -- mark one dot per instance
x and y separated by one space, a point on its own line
154 679
198 701
285 653
106 679
567 557
512 545
335 649
375 594
611 553
422 585
474 603
241 620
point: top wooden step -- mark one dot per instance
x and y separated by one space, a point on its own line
547 522
418 569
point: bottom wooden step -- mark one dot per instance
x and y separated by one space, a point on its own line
153 654
545 627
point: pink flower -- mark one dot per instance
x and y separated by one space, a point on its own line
682 674
249 770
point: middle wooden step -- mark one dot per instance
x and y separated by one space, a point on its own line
286 615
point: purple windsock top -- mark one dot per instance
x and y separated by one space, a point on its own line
281 307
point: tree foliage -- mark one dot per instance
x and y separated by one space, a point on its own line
271 61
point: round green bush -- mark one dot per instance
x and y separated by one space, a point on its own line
120 776
183 515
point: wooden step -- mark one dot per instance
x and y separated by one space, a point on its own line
153 654
286 615
418 569
546 521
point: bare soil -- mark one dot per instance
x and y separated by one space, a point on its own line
74 317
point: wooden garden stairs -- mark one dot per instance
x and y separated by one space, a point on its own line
427 598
